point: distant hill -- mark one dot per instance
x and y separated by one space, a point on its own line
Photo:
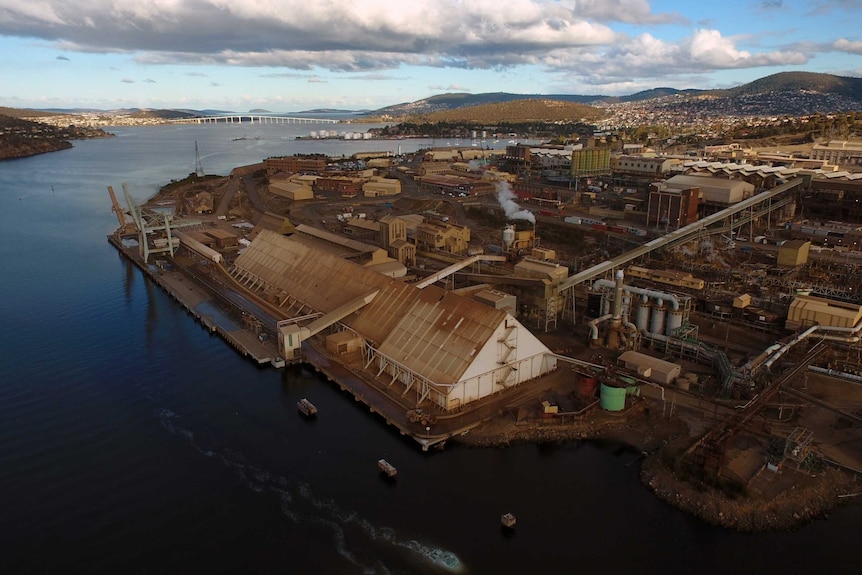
801 81
443 102
848 89
516 111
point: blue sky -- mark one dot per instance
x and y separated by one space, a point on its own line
286 56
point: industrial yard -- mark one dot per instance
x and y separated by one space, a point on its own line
705 323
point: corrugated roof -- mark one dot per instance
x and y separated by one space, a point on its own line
431 331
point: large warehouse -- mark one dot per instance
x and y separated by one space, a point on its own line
446 348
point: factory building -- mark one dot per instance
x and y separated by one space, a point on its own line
393 238
672 207
649 367
839 152
642 166
378 186
808 310
291 189
793 253
439 236
440 346
718 193
295 164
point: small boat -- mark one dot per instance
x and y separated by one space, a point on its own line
306 407
386 468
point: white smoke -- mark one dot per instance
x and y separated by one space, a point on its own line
507 201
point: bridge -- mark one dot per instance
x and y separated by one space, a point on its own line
252 119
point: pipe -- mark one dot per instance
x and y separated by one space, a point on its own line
600 283
594 325
768 363
842 334
756 361
834 373
618 294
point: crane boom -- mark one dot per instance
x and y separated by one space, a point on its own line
121 215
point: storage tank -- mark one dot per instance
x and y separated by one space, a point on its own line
657 319
508 237
366 136
612 398
642 317
586 385
674 321
312 135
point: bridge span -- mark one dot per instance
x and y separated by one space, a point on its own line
252 119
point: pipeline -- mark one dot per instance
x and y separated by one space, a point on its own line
783 349
841 334
594 325
640 291
833 373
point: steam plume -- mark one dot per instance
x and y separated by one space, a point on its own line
507 201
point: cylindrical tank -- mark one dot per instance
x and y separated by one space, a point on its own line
606 306
657 318
683 383
642 317
674 321
627 306
508 237
586 385
612 398
312 135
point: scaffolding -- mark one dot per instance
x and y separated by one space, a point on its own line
798 447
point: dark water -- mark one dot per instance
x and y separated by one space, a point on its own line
133 441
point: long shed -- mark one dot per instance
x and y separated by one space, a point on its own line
650 367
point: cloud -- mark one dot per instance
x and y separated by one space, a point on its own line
316 80
449 88
645 56
628 11
821 7
366 38
149 81
127 81
844 45
63 58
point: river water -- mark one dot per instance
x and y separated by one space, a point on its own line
134 441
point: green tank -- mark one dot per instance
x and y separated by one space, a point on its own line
612 398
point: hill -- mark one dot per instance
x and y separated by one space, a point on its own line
517 111
808 88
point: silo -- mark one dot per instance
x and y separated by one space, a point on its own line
612 398
642 318
508 237
674 321
586 385
657 319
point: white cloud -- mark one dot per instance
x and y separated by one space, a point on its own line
844 45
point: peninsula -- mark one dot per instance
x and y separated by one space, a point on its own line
20 138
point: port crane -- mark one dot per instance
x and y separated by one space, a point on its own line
154 228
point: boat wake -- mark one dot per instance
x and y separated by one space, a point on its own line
302 506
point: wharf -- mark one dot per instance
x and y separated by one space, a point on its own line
199 296
193 293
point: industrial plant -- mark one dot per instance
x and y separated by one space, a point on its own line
443 288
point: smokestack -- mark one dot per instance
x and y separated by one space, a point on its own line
618 295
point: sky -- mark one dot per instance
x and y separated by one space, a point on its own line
287 56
